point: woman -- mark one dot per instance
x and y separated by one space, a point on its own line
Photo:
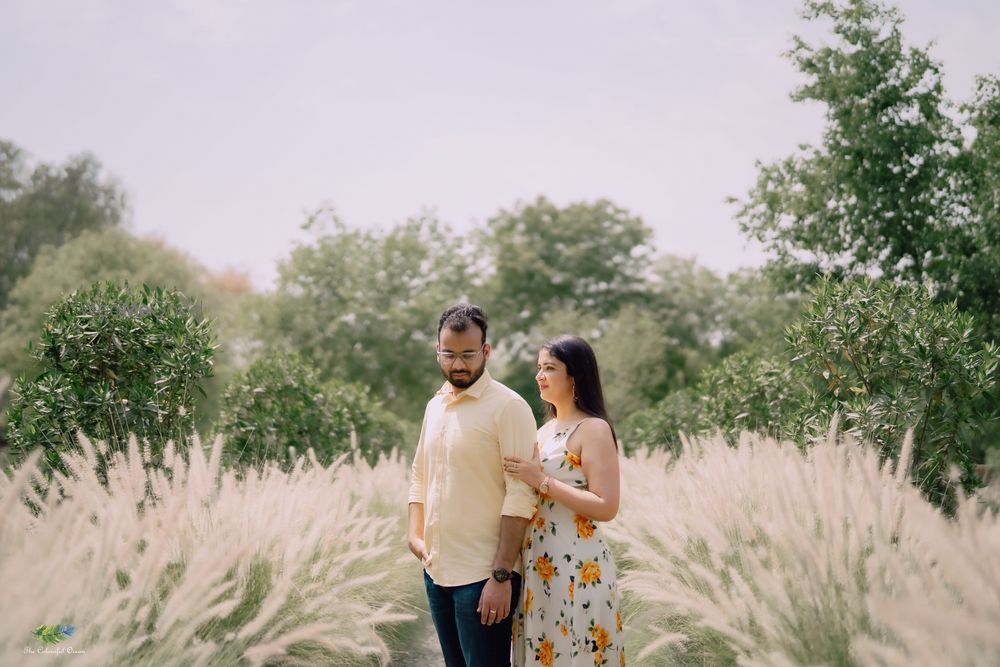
569 610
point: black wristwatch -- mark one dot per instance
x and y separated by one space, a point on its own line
501 575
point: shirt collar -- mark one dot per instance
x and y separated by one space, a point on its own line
475 391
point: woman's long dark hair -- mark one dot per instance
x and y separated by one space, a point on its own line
581 365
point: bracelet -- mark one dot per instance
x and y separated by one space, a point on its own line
544 486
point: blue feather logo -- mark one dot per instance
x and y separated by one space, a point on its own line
53 634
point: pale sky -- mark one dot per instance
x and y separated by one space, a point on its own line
228 121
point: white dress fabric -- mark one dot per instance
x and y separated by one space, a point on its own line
568 615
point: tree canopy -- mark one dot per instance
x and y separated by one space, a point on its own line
362 306
592 256
882 194
44 204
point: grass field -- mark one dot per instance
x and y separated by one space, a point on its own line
755 554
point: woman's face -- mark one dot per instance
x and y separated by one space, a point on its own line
554 384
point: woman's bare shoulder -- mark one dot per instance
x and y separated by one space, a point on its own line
595 428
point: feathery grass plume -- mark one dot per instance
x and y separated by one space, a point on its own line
190 564
765 554
945 605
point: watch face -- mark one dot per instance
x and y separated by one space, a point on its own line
501 575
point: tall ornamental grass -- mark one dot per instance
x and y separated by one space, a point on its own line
765 554
192 564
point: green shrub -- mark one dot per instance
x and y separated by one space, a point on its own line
887 357
375 429
279 402
752 390
113 254
679 412
114 360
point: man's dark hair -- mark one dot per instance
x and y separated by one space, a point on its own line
461 316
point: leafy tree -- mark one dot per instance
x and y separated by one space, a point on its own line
592 257
877 195
685 318
115 360
886 357
689 303
662 424
279 403
893 190
891 359
111 255
362 306
48 205
707 318
634 351
755 310
114 255
977 243
375 430
751 390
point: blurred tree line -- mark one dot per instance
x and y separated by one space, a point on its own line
880 302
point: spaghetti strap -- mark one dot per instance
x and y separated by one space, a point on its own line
572 429
555 444
569 430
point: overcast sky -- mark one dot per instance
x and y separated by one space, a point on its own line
228 121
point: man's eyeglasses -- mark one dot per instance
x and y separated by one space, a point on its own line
448 358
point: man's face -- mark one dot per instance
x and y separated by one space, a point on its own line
464 357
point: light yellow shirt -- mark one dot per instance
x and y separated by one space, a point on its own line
458 476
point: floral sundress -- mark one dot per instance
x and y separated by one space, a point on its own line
568 614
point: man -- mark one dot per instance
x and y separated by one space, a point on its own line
467 519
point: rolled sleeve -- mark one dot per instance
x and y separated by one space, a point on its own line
516 429
417 490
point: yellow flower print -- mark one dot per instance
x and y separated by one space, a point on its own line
618 621
528 597
544 653
564 629
584 527
571 590
540 522
590 572
621 657
599 658
544 568
601 637
574 459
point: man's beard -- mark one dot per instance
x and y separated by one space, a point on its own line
464 381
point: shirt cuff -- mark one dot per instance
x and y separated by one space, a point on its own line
521 505
416 494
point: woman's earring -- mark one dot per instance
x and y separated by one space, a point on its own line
574 393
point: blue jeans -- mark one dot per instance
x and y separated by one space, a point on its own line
465 641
